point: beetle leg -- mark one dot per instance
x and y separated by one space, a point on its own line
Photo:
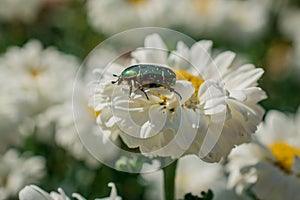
130 88
142 89
172 90
139 85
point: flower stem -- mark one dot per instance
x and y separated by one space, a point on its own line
169 180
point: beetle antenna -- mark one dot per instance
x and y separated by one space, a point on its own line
172 90
115 75
177 94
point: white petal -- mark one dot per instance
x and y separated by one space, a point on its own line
156 123
210 89
182 49
275 124
187 131
212 97
60 195
185 89
154 51
200 54
78 196
244 77
296 165
155 41
113 193
112 121
33 192
211 138
255 94
244 109
238 94
223 61
179 59
150 56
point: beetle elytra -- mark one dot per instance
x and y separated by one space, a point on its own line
143 76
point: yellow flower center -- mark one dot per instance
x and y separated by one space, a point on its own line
284 155
196 81
162 97
202 6
136 2
183 75
94 113
34 73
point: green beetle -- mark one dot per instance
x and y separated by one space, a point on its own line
143 76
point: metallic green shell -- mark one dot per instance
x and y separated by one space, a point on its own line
150 74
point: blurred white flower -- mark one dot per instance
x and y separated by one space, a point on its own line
10 10
113 16
237 20
98 60
66 135
178 126
16 171
34 79
9 120
269 167
75 135
247 18
192 176
33 192
289 26
206 15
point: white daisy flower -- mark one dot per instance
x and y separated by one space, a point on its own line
138 131
76 129
192 176
247 18
113 16
205 16
36 78
16 171
33 192
211 93
235 19
11 10
269 167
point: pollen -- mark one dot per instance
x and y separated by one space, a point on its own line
94 113
34 73
136 2
284 155
183 75
203 7
196 81
162 97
